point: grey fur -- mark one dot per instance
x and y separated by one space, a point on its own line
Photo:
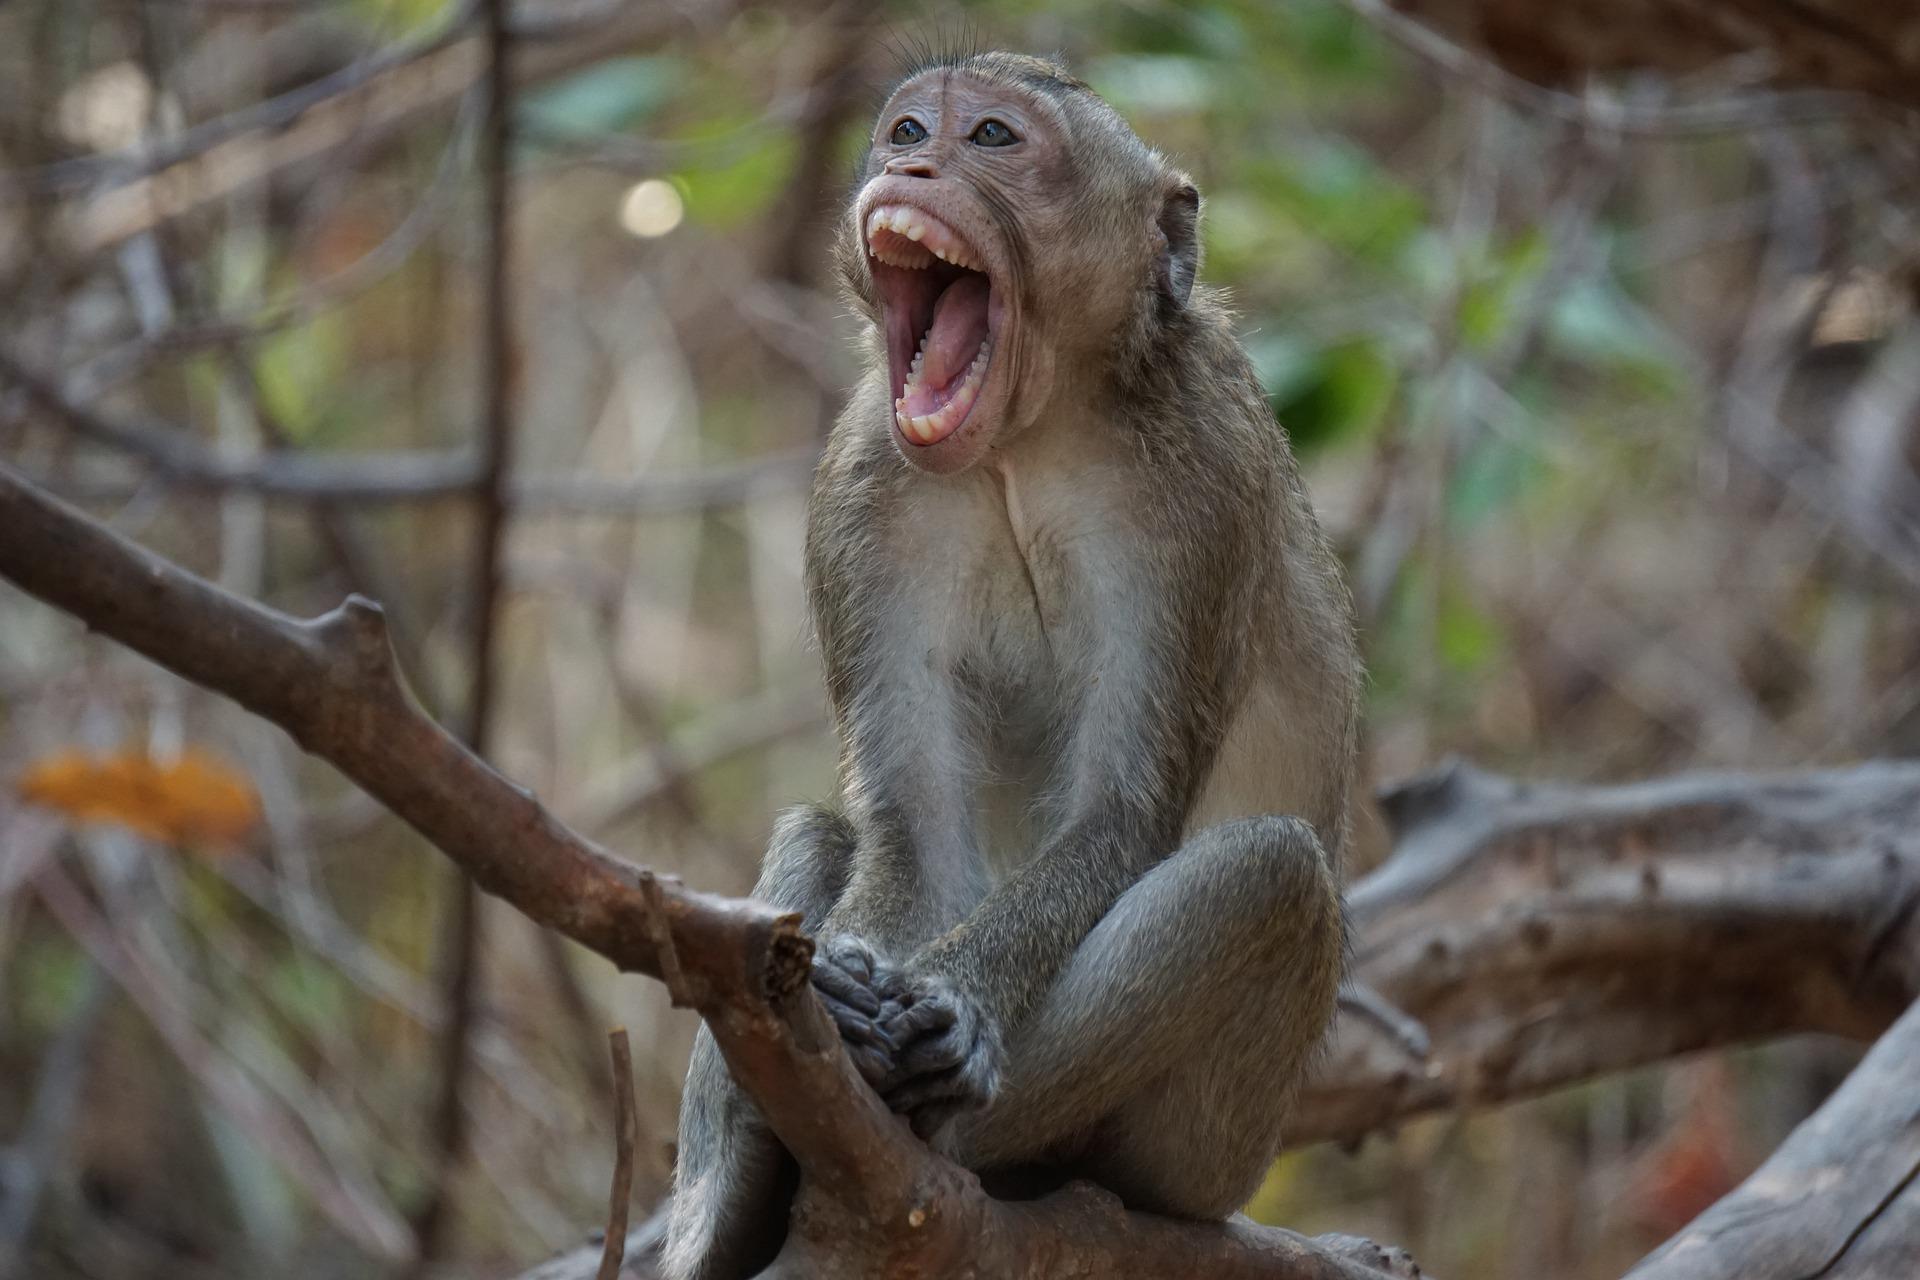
1068 679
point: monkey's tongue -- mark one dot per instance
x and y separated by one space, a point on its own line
959 327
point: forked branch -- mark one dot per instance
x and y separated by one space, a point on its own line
1541 934
875 1199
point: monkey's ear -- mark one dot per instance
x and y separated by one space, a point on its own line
1177 242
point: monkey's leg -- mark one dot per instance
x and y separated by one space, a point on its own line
1162 1061
733 1180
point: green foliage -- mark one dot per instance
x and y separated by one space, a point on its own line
1592 323
315 997
49 978
1495 471
745 182
1500 289
300 370
389 18
1157 83
1329 394
1467 636
1333 191
607 97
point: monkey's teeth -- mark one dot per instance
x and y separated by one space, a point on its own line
931 428
928 233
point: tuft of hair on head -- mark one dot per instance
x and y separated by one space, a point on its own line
932 47
918 52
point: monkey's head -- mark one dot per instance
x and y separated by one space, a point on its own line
1011 240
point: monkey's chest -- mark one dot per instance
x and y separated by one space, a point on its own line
1009 644
995 600
1014 645
996 617
1018 695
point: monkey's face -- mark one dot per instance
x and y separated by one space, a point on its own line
962 225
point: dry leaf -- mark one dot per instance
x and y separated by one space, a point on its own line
191 799
1695 1163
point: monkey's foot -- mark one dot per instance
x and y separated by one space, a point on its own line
947 1051
845 970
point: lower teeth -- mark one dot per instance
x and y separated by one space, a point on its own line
931 427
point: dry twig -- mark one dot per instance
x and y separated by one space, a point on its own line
614 1250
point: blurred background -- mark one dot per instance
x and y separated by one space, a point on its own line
1611 404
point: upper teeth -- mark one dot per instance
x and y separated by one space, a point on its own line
920 228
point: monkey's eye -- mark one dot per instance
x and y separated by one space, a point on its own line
908 132
992 133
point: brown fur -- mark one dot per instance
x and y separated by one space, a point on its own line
1072 662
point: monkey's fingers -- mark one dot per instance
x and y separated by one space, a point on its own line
873 1065
868 1043
931 1055
836 984
870 1047
947 1063
931 1012
856 1027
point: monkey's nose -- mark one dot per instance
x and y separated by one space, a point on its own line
913 167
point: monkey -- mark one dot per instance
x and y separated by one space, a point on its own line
1093 671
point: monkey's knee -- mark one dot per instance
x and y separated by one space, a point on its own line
1285 924
1197 1142
1278 875
807 862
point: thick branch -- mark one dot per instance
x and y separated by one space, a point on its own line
875 1201
331 683
1841 1197
1544 934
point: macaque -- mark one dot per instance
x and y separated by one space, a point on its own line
1093 670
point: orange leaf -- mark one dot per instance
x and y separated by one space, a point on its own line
1696 1162
191 799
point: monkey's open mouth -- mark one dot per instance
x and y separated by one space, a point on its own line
937 301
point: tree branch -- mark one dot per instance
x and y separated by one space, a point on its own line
368 99
613 1250
331 683
1841 1197
1544 934
397 475
464 928
874 1200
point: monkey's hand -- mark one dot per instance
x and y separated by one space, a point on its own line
846 974
946 1057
